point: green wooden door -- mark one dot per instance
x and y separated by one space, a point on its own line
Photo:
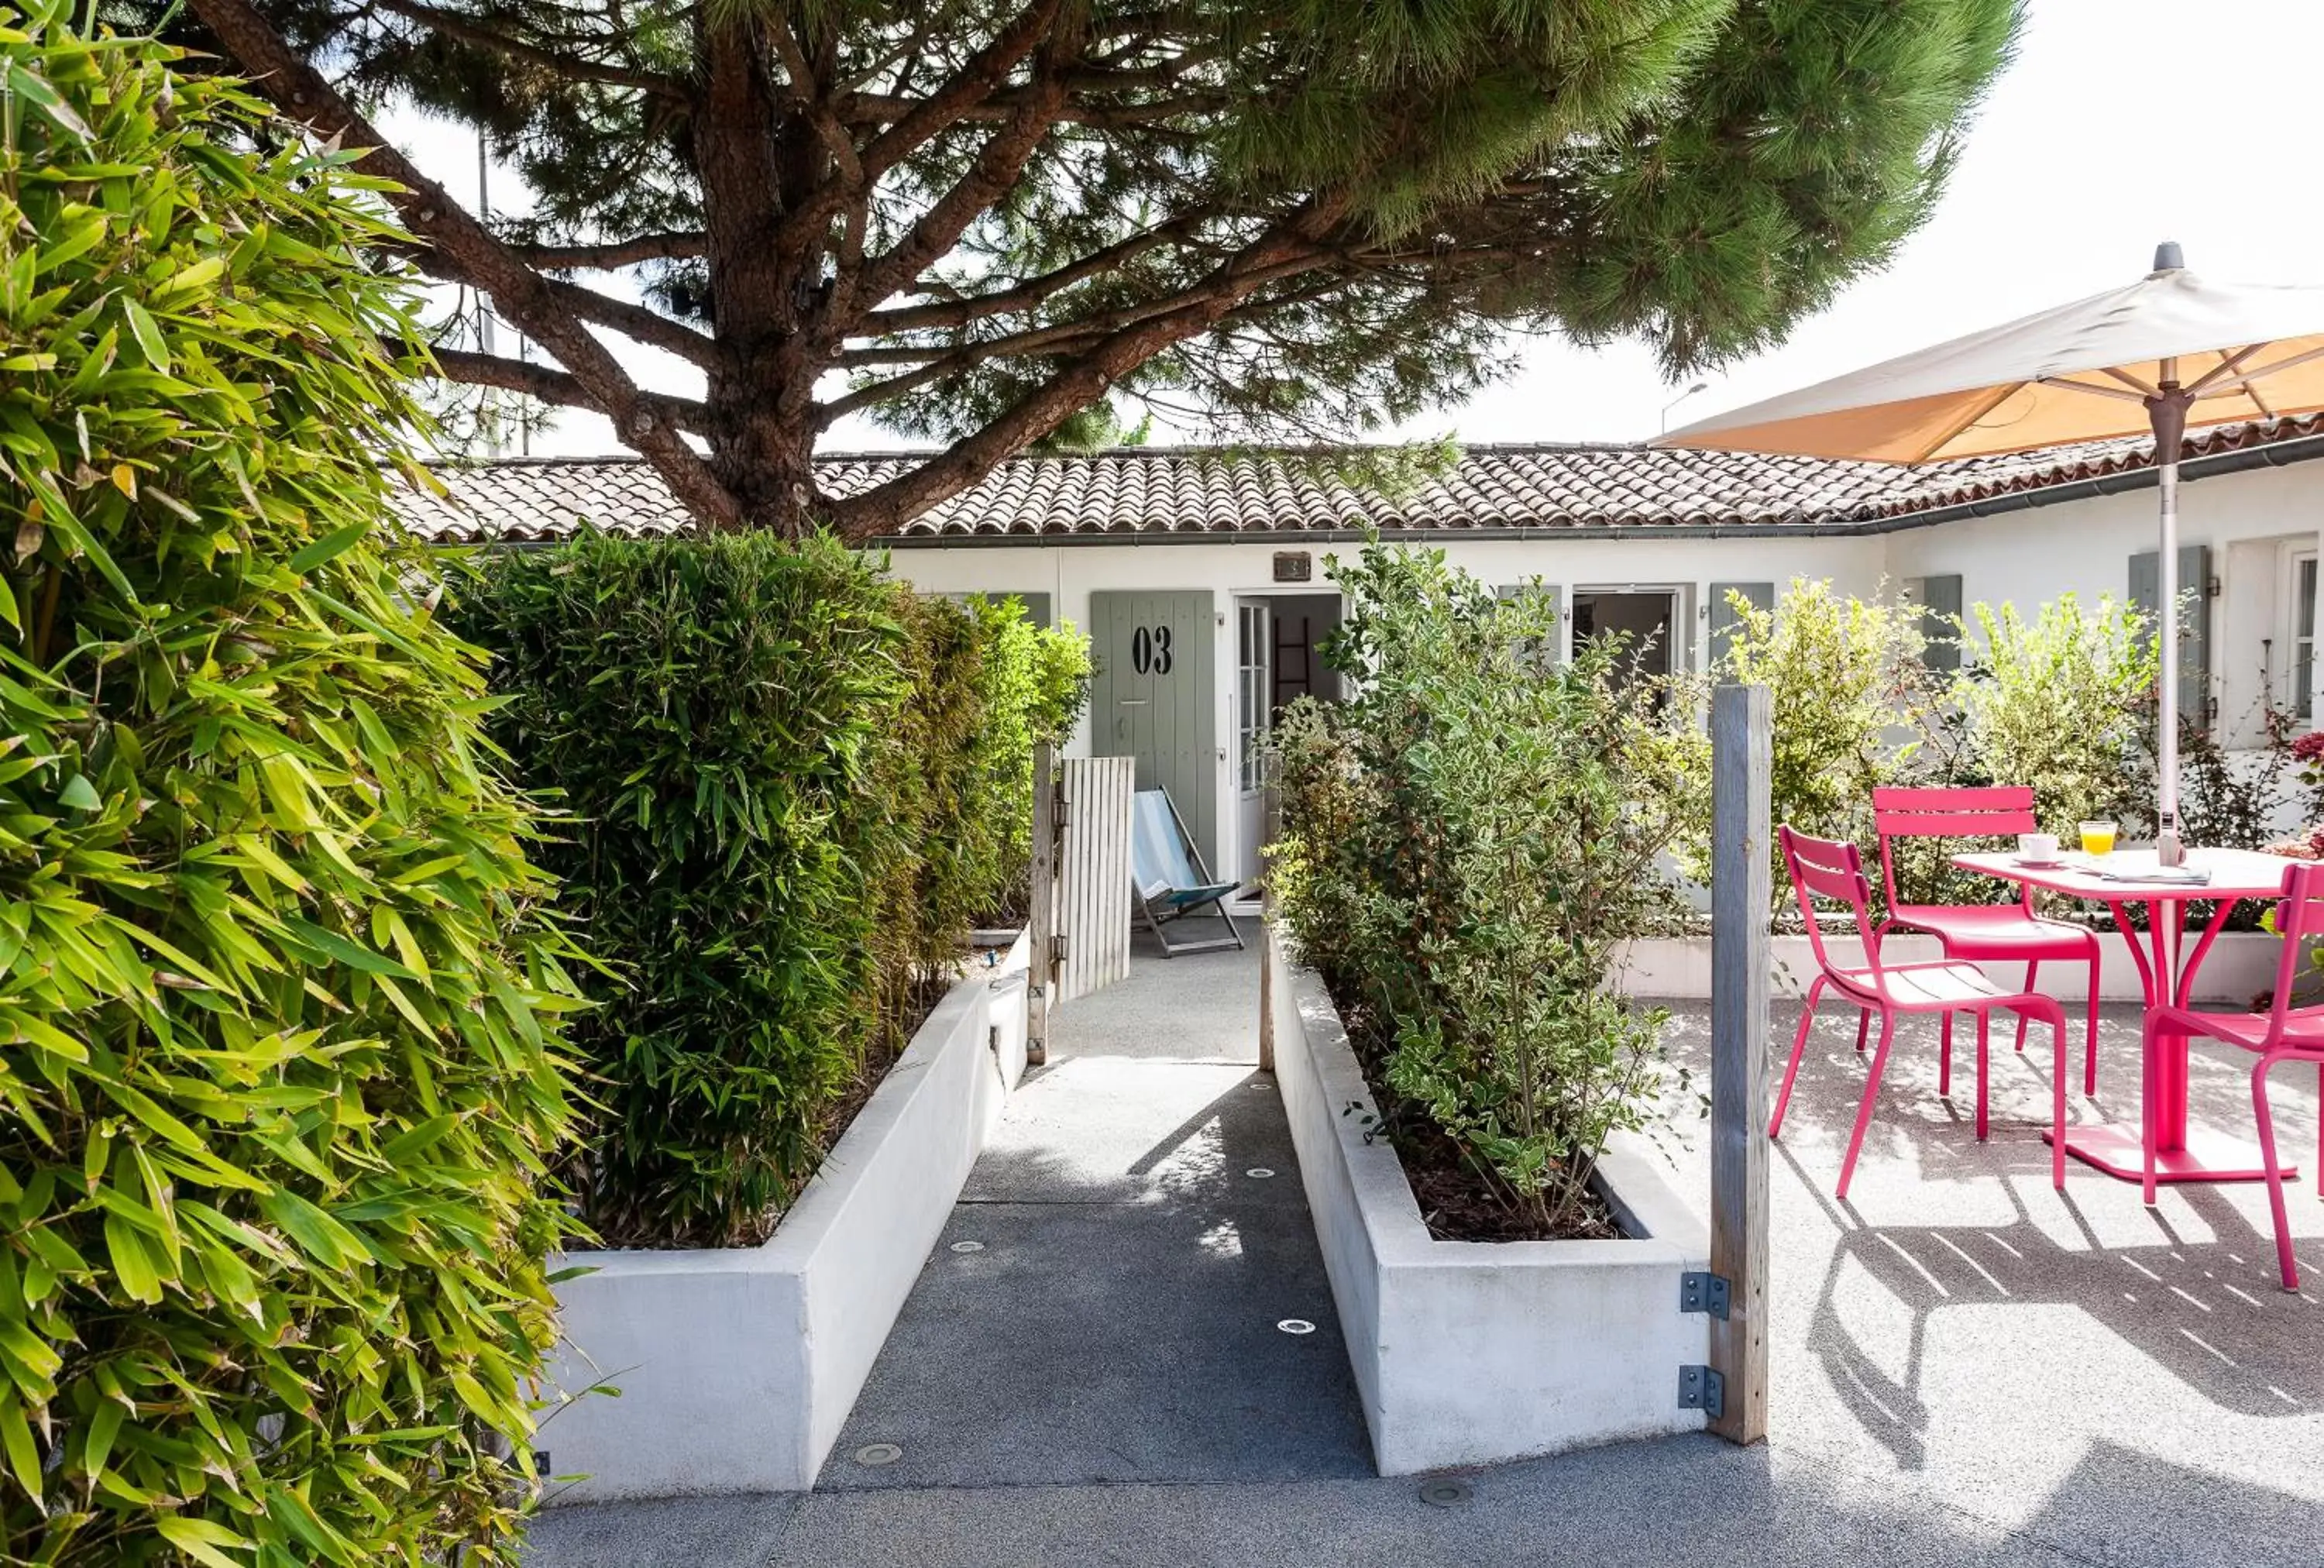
1154 697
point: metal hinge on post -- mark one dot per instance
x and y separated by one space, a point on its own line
1057 947
1702 1389
1703 1292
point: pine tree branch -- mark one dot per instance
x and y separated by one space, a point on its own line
805 226
1085 107
982 76
547 383
936 362
521 295
1083 381
1032 292
997 167
808 88
640 323
606 255
468 30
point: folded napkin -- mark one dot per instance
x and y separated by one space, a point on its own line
2157 875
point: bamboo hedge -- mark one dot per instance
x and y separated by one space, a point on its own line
793 786
280 1063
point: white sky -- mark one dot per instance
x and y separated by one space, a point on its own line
2123 123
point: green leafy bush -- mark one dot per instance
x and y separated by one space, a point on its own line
1848 695
2064 703
279 1012
1036 684
1465 840
785 776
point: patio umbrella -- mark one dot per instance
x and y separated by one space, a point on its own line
2168 351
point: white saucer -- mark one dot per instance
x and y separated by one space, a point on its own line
2038 865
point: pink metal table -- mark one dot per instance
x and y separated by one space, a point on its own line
2166 971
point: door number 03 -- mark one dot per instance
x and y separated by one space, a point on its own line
1149 650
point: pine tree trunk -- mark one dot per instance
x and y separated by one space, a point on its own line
760 397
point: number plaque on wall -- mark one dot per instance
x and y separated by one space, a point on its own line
1294 566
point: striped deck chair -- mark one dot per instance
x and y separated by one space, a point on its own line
1169 879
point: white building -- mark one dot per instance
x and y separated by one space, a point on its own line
1200 579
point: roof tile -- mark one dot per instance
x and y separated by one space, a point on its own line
1197 491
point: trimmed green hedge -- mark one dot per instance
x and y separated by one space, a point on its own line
794 787
279 1061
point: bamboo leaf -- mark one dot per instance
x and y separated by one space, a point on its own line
147 333
204 1541
328 548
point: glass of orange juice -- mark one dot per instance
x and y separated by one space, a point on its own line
2097 838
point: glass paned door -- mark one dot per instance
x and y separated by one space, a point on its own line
2303 637
1254 703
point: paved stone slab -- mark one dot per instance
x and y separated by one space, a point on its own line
1120 1320
1198 1007
684 1533
2131 1382
1662 1505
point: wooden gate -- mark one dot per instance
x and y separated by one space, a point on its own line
1092 903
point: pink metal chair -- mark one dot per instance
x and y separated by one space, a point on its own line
1822 869
2283 1033
1980 933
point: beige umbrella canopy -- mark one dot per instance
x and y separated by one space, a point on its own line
2168 351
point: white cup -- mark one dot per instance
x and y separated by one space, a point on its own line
2037 846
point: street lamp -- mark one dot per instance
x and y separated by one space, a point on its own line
1698 386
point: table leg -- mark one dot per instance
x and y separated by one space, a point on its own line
2202 949
2182 1153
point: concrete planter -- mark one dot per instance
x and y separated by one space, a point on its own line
1469 1352
2240 964
737 1367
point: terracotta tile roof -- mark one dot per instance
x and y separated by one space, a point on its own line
1185 490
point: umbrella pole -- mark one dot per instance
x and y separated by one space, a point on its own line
2167 411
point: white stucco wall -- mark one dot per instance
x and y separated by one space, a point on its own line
1069 574
2252 521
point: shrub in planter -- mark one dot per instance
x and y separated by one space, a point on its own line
278 1010
1465 842
987 687
783 771
718 717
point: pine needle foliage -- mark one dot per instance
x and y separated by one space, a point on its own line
794 788
279 1061
994 223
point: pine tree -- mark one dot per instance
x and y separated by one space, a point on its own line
1008 222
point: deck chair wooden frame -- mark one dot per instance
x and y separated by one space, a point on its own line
1173 902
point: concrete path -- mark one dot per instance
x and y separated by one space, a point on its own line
1969 1367
1118 1322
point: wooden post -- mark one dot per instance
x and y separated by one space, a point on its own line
1041 983
1741 841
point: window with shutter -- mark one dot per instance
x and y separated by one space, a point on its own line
1940 600
2194 622
1556 594
1724 617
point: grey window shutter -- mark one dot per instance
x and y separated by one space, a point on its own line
1939 599
1723 618
1555 595
2194 621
